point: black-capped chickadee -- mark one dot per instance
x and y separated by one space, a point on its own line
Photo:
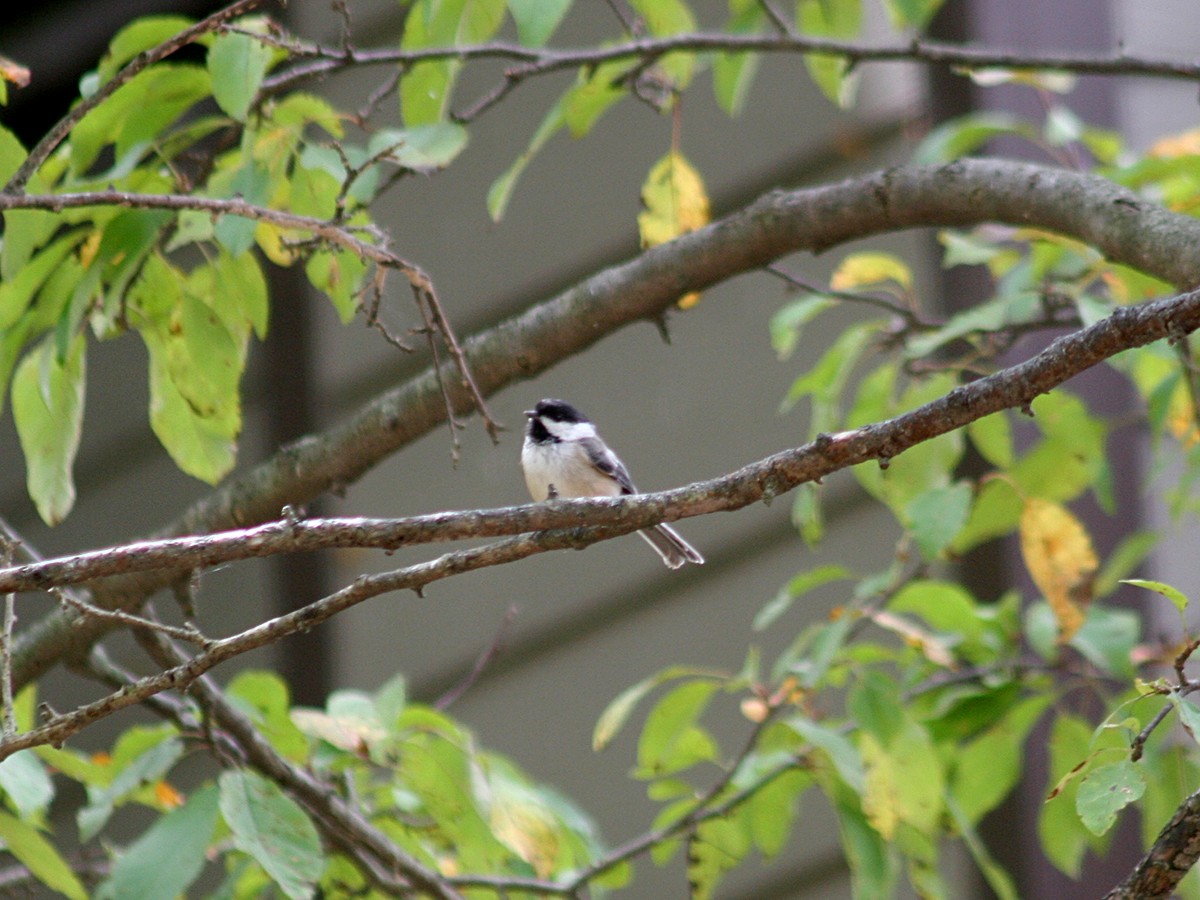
563 456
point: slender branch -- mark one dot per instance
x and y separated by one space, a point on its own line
60 727
1112 219
63 127
585 521
318 60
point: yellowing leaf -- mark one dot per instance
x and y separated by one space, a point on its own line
13 72
859 270
527 828
167 796
1181 418
675 202
274 243
1059 556
1186 143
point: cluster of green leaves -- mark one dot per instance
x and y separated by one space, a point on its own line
206 129
881 366
187 281
411 771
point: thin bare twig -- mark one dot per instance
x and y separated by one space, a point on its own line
485 659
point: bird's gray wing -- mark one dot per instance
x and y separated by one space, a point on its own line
606 461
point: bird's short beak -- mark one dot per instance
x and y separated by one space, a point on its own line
530 413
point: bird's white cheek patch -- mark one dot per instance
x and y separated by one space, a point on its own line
570 431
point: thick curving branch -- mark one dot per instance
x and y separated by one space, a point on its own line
1093 210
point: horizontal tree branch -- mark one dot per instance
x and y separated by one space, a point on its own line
319 60
1093 210
1014 387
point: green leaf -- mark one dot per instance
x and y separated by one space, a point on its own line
937 515
847 761
807 513
966 134
797 588
813 652
38 855
989 766
142 756
1063 837
12 154
425 88
905 780
1105 791
139 112
25 781
593 94
1108 638
141 34
670 740
47 397
788 324
617 713
992 437
1173 594
1071 455
1189 715
424 148
502 188
252 183
237 64
200 447
264 697
945 606
168 857
843 19
995 513
537 20
874 703
912 13
771 810
825 380
873 868
271 827
717 846
339 275
17 291
733 73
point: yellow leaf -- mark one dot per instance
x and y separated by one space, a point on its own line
13 72
273 241
859 270
167 796
1186 143
89 248
1181 417
1060 559
675 202
521 823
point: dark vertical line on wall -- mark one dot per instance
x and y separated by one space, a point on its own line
1011 831
289 410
